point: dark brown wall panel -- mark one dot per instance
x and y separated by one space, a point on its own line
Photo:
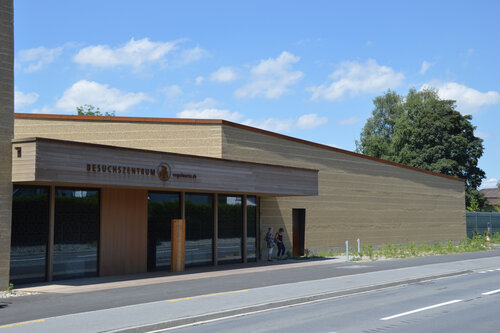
124 218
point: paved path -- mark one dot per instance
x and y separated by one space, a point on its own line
175 303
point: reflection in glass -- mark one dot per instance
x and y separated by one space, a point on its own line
76 233
251 228
162 208
230 228
30 231
199 229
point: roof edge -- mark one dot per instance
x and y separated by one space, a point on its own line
97 145
118 119
228 123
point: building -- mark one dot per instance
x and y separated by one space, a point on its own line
104 189
492 195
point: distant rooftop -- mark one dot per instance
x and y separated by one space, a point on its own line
491 195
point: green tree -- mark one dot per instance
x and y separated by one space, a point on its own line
90 110
424 131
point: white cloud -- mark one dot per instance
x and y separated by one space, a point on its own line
350 121
192 55
310 121
172 92
271 124
205 104
481 135
468 100
271 78
306 121
425 66
45 109
199 80
134 53
335 146
99 95
23 99
492 182
224 74
354 78
38 57
210 114
207 109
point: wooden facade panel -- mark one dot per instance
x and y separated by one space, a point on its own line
358 197
66 162
124 226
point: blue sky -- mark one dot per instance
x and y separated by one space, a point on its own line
305 69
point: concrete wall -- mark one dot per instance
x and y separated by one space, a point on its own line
6 128
194 139
358 197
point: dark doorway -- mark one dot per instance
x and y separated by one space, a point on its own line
299 230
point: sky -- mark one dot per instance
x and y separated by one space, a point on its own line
307 69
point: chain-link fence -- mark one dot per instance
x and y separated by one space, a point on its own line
482 222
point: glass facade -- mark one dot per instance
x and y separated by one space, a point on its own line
76 233
251 228
199 229
230 228
30 232
162 208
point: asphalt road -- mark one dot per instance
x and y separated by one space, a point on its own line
466 303
49 305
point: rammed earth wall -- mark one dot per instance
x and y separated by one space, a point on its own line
6 129
358 197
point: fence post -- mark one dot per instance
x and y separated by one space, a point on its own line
347 250
359 248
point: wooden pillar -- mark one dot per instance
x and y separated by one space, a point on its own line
245 222
178 245
259 231
50 245
216 228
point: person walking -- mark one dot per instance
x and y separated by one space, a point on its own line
270 243
280 244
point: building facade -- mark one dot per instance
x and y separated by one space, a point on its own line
322 196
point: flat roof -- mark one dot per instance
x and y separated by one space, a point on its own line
228 123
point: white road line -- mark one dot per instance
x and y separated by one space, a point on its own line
421 309
491 292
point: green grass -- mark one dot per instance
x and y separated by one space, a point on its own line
411 249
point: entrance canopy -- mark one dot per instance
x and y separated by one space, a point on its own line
49 161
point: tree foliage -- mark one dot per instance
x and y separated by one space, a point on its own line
90 110
424 131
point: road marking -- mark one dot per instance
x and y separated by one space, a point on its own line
421 309
208 295
23 323
491 292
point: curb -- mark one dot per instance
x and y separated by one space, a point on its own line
260 307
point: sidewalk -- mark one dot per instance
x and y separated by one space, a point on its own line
107 283
168 313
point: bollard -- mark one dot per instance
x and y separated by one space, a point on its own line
359 249
347 250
